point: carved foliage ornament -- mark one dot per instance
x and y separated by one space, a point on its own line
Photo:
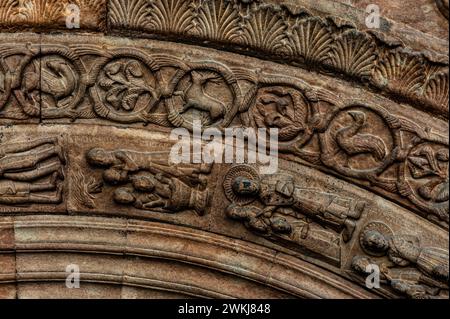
293 34
353 138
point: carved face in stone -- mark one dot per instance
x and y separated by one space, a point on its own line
245 186
100 157
375 241
280 225
360 263
144 183
124 196
115 176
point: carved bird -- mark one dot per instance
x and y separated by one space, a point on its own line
58 79
353 143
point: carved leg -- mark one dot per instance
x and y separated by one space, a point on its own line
41 171
19 147
47 199
349 228
50 185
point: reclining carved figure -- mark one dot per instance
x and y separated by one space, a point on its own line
155 184
24 168
285 194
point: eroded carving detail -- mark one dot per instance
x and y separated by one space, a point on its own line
31 171
290 212
147 180
289 32
356 140
409 268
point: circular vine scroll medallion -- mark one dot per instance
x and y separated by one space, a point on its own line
208 93
126 89
425 176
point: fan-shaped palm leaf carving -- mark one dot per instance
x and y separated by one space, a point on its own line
217 20
310 40
436 89
354 54
38 11
7 10
131 14
400 72
264 30
171 15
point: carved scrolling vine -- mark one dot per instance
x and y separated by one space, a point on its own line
350 137
285 32
294 35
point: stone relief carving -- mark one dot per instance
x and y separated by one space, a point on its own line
291 212
356 140
31 171
352 138
409 268
148 181
294 34
39 13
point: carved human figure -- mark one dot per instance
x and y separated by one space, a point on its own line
157 191
122 162
404 250
155 184
258 219
24 164
410 282
22 156
287 194
16 193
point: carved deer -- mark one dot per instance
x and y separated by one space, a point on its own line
196 97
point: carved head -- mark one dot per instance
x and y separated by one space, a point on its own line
100 157
280 225
124 196
375 241
360 263
143 183
115 176
358 117
245 186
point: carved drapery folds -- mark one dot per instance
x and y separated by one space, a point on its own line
85 125
355 139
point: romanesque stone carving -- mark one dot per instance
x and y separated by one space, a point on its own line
293 33
31 171
418 272
354 139
86 128
51 13
148 181
289 211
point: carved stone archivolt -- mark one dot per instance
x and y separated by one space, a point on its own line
87 125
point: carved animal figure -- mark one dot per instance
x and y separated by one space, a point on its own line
58 79
196 97
353 143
